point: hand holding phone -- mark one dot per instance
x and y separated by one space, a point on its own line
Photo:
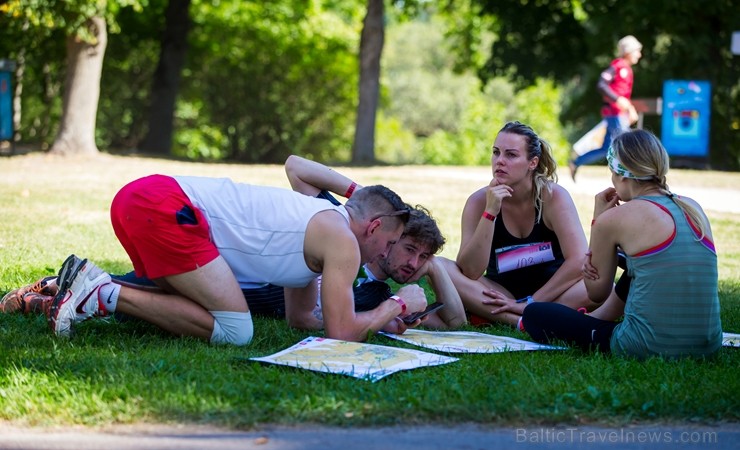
411 318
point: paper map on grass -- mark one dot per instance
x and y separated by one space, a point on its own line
466 342
731 339
365 361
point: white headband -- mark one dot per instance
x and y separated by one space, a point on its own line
616 166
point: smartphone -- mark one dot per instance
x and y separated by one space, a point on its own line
411 318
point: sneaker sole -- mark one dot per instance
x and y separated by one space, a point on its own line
69 270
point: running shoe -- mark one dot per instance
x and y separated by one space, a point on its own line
77 299
27 299
34 303
28 303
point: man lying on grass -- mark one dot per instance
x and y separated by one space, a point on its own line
201 240
408 260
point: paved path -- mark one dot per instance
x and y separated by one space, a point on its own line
711 199
590 182
464 437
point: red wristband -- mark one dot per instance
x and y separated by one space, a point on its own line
400 302
593 221
350 190
489 216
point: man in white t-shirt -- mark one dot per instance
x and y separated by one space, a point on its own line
202 240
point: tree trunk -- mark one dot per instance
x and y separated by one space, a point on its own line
52 87
166 83
81 92
20 70
371 47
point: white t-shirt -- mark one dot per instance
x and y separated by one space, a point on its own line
259 230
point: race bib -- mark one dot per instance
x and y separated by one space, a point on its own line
519 256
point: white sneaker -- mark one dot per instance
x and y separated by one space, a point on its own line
78 300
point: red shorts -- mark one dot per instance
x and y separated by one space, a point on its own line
160 229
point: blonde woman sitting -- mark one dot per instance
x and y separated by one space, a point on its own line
672 305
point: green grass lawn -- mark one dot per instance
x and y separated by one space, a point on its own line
131 372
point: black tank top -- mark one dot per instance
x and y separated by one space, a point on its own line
523 265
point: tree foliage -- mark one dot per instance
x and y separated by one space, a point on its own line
69 16
262 79
271 79
571 41
128 70
435 113
265 79
84 25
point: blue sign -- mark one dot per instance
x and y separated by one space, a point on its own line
6 107
686 111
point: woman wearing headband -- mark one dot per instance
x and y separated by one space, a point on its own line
522 240
672 306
